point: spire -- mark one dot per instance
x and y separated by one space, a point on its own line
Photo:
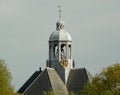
59 10
59 24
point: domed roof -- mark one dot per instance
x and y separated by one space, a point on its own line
60 34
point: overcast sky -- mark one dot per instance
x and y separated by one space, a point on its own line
25 27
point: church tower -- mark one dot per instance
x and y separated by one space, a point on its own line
60 53
61 76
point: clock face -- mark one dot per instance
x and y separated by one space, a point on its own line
64 62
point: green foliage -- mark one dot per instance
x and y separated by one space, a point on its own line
72 93
5 79
105 83
49 92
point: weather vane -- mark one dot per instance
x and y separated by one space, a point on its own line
59 9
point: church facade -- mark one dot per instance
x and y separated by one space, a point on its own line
60 74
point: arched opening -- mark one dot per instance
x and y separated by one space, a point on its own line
69 51
63 51
50 51
56 52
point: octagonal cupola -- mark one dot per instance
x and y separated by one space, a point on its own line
60 50
60 53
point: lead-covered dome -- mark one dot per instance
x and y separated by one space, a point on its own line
60 34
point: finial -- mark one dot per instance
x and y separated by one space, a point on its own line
59 24
59 10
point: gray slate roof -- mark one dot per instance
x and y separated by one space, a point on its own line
46 80
50 80
77 79
29 81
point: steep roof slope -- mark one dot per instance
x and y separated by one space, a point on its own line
47 80
29 81
77 79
